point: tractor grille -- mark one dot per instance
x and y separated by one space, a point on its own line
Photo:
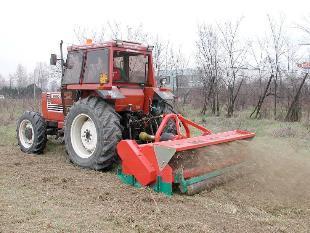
51 107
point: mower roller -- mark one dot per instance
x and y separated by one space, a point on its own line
164 164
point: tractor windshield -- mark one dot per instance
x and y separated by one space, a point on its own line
74 68
130 67
96 65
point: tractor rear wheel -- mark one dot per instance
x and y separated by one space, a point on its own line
31 133
92 131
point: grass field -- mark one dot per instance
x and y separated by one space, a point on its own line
46 193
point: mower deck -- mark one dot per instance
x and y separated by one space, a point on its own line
207 140
183 161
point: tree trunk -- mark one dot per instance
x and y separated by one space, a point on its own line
217 104
294 111
213 104
205 102
275 97
261 100
230 108
232 99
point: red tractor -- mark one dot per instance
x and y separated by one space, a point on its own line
108 94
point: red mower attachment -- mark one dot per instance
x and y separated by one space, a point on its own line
179 161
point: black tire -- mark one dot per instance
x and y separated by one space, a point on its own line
39 133
108 128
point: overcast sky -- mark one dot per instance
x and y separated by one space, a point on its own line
31 30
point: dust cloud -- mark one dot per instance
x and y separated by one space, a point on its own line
266 172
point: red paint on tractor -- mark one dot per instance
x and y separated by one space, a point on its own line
134 97
52 109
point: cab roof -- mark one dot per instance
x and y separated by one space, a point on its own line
128 45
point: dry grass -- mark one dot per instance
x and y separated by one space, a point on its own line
11 109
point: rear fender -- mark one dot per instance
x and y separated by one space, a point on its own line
114 93
164 93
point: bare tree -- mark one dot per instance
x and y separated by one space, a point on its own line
11 80
305 25
159 54
41 75
209 65
294 112
257 109
234 55
179 65
21 77
275 51
112 30
54 74
54 85
260 65
84 33
2 81
279 59
295 107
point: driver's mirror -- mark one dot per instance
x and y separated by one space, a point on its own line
53 59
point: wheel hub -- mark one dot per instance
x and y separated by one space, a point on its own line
83 135
87 131
26 135
87 135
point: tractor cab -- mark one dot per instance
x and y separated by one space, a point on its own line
105 64
119 71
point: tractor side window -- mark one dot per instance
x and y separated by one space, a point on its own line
97 64
138 68
74 68
130 67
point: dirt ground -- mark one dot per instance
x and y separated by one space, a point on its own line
47 193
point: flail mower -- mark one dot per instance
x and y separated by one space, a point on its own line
110 108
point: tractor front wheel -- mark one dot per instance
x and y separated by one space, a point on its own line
92 131
31 133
